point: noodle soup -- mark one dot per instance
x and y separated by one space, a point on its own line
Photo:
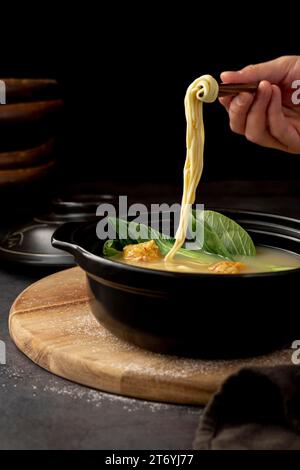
266 260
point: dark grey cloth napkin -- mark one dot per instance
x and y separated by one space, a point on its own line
255 409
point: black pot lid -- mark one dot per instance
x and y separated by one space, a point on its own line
31 244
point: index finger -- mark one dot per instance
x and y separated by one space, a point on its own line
273 71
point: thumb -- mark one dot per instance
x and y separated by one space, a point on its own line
273 71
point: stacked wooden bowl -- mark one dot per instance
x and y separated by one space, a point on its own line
29 123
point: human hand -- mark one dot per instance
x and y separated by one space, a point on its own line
268 118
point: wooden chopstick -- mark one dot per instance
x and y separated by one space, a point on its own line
232 89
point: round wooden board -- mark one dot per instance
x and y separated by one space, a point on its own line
52 324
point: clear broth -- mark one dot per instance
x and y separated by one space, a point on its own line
266 260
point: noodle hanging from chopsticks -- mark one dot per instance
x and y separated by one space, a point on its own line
203 89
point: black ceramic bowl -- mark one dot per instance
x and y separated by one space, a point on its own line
194 314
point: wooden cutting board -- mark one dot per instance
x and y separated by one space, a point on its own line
52 324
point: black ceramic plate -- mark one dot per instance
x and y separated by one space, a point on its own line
194 314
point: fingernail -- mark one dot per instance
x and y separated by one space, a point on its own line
242 98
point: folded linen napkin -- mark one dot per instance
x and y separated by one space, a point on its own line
255 409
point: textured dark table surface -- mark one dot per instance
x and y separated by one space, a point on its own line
41 411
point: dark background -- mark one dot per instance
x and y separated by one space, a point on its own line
124 72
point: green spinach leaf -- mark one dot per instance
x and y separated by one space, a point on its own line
131 232
112 248
222 236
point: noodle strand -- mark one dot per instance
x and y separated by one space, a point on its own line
203 89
